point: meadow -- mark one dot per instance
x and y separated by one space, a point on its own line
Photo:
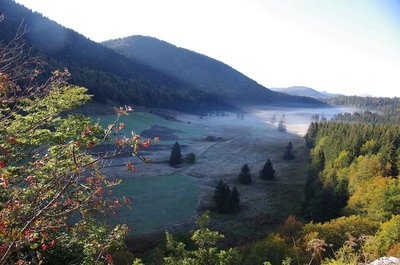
168 197
158 201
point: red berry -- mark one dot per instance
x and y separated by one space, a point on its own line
109 259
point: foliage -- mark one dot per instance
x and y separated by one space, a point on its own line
176 155
51 185
290 228
273 249
288 154
388 236
190 158
206 252
244 175
353 165
47 173
377 198
226 200
267 172
378 110
334 232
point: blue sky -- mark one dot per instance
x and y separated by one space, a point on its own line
342 46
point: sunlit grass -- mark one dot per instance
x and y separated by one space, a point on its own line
141 121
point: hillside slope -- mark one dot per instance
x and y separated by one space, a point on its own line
204 73
193 81
107 74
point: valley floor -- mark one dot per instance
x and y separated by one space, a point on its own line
171 198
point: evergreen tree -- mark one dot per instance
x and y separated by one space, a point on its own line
282 126
244 175
226 200
234 199
288 154
267 172
176 155
273 119
222 196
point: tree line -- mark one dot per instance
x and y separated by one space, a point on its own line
354 170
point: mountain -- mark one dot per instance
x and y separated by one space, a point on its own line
107 74
305 92
204 73
112 76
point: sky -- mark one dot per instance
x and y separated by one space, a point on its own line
350 47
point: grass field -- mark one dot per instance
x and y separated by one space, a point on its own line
164 196
158 201
139 121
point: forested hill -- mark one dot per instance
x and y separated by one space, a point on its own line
204 73
204 82
375 110
380 104
107 74
305 92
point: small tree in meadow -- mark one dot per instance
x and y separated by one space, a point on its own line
288 154
244 175
234 200
227 201
221 197
176 155
267 172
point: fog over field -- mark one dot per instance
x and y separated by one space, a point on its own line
240 137
298 119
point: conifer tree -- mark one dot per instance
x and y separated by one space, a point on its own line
226 200
222 196
282 126
176 155
288 154
244 175
267 172
234 199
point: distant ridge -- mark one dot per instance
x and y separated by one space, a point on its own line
305 92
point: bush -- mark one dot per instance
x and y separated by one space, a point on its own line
273 249
334 232
190 158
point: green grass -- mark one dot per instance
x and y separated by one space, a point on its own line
140 121
158 201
